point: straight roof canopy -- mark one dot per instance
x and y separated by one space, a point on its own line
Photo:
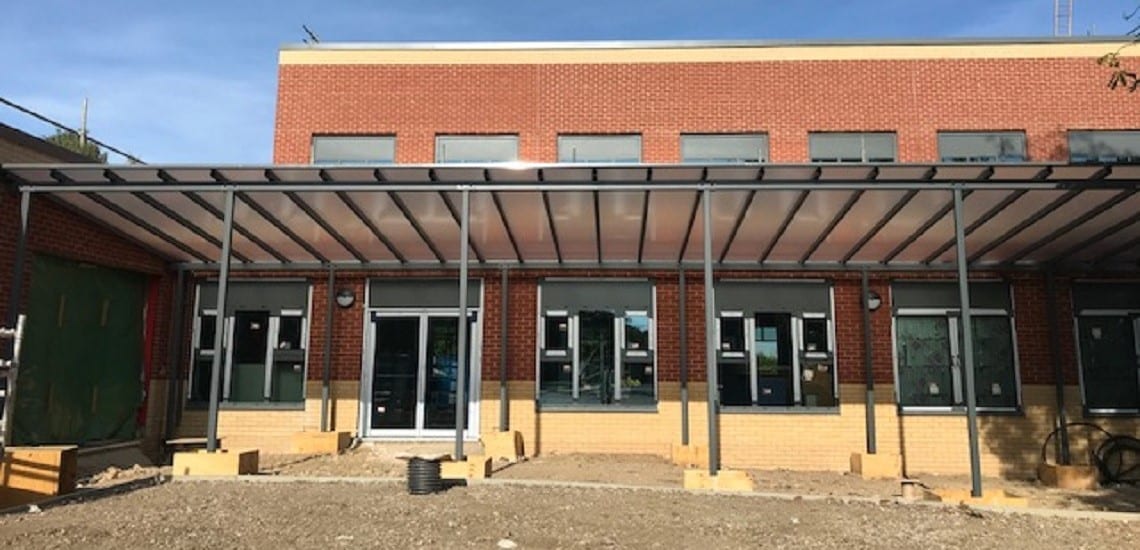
821 216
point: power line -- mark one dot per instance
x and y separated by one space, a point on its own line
61 126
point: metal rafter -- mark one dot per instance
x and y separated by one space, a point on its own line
740 219
791 215
922 229
835 221
644 226
598 226
318 219
408 217
269 217
1100 236
506 225
1076 222
363 218
455 215
978 223
1104 258
890 215
692 219
1015 230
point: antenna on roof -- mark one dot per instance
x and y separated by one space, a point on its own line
312 39
1062 17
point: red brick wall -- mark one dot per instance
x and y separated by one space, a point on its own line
916 98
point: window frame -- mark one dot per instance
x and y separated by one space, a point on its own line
637 137
864 159
381 138
763 158
983 134
1134 316
442 139
1135 159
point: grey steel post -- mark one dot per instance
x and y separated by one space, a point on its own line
326 373
1055 358
223 289
174 347
967 355
504 404
868 366
710 337
684 362
461 384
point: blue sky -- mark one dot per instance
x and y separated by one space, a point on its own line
196 81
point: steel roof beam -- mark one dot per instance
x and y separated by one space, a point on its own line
1075 223
1032 219
835 221
978 223
318 219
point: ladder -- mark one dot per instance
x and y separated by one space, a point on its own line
1062 17
8 369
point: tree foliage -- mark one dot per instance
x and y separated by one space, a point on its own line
71 141
1121 76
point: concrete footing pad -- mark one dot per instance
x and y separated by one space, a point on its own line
876 466
724 480
1072 477
320 443
224 462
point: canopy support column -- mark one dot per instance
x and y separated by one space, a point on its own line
504 404
1055 358
868 366
461 352
684 352
710 337
173 362
966 357
223 289
326 372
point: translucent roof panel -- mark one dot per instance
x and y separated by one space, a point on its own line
117 222
486 228
938 235
162 223
210 223
291 216
1105 221
621 224
428 209
379 208
867 211
993 229
573 214
726 206
812 218
763 218
270 235
668 221
909 219
527 215
1060 216
1099 250
334 211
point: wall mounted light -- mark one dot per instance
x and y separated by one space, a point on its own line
872 301
345 297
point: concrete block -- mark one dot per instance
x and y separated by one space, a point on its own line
320 443
224 462
503 445
993 497
1072 477
30 474
474 467
725 480
876 466
690 456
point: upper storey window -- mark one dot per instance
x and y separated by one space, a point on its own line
981 146
476 149
1099 146
354 149
621 148
852 147
724 148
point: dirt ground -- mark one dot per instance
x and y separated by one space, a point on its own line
226 514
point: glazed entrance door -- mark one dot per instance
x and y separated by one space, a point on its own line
413 374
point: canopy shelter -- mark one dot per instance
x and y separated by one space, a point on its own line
792 217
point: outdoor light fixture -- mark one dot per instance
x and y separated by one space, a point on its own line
872 300
345 297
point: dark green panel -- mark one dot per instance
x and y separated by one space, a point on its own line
1118 296
773 296
615 296
271 296
941 295
421 293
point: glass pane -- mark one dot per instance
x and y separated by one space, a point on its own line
288 383
1119 147
207 332
815 335
289 333
354 149
852 147
556 382
925 378
596 344
734 383
556 332
637 384
637 332
443 371
879 147
773 349
732 334
711 148
200 379
599 148
981 147
395 369
476 148
995 382
250 345
1108 361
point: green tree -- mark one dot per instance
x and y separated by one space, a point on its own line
71 141
1121 76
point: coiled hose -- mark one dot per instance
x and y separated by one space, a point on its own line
1116 457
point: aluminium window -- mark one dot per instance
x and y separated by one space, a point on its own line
458 149
928 346
1108 340
600 148
775 344
982 146
852 147
1092 147
724 148
354 149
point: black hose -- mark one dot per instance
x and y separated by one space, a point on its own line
1117 457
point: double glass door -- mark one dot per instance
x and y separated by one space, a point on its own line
414 374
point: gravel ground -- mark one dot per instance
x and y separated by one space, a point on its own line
382 515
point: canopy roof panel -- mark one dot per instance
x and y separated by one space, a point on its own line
806 215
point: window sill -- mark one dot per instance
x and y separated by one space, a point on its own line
295 406
595 408
779 410
958 411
